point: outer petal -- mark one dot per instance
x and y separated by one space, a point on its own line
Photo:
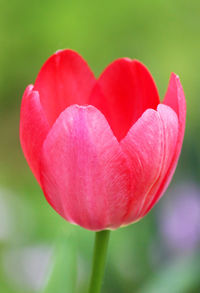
84 173
33 128
176 100
170 135
143 146
150 146
64 79
123 92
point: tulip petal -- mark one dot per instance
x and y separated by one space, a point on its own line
170 135
123 92
84 172
143 146
64 79
176 100
33 128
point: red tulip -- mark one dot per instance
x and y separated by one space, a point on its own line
103 150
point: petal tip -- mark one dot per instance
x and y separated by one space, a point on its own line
59 51
29 88
175 76
86 106
65 52
126 59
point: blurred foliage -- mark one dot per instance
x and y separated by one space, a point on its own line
62 275
182 276
165 36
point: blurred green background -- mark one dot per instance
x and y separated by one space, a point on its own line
160 253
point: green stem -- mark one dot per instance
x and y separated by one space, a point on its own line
99 260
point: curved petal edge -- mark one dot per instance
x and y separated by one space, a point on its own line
33 129
175 99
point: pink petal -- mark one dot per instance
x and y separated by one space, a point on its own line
123 92
170 135
176 100
33 128
64 79
143 146
84 173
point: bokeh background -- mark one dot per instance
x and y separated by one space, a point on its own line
161 253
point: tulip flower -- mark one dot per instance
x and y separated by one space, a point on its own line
103 150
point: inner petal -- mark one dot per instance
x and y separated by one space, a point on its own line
123 92
64 79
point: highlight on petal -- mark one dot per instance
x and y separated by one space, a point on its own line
33 128
84 173
63 80
123 92
176 100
